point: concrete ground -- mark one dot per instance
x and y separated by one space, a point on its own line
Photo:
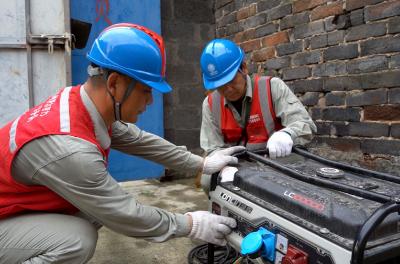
176 196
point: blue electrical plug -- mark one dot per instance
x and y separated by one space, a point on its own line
259 243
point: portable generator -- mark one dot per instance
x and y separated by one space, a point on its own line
304 209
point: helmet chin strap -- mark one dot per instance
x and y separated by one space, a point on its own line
93 71
242 73
117 108
118 105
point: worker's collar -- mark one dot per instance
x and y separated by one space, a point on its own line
100 128
249 90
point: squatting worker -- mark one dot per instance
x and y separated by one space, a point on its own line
55 191
258 113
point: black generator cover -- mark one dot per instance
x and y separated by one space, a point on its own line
310 205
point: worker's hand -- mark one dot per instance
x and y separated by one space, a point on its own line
210 227
227 174
220 159
279 145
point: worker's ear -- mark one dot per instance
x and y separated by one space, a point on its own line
112 82
244 68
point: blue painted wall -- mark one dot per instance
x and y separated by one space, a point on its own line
102 13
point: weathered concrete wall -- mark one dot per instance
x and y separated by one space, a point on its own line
186 27
342 58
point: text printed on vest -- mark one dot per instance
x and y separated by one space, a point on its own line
43 109
254 119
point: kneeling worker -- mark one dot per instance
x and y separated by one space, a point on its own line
55 190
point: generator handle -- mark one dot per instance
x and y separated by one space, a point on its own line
358 170
374 196
357 256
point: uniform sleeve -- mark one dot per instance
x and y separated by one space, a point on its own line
293 115
211 137
129 139
79 175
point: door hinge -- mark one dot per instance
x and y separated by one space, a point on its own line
66 40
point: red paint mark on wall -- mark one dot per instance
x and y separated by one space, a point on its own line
102 10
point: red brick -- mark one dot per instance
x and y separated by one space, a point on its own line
382 113
301 5
249 34
327 10
275 39
251 45
253 9
246 12
242 13
263 54
244 35
238 37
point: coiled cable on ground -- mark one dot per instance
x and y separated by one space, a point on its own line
222 255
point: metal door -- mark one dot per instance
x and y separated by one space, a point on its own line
34 53
102 13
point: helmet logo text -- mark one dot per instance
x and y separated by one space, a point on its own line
211 69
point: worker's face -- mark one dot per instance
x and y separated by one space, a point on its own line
136 103
235 89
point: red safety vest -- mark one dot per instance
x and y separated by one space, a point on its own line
261 123
61 114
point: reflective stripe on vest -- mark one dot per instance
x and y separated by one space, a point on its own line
64 118
64 111
61 114
13 132
266 111
214 101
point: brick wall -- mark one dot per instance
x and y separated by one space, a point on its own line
186 27
342 58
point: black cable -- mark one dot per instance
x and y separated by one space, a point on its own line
374 196
222 255
368 227
336 164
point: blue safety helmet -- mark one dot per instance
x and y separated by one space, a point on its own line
220 61
132 50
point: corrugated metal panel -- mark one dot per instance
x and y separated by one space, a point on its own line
14 94
28 72
102 13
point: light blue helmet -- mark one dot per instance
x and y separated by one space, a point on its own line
220 61
132 50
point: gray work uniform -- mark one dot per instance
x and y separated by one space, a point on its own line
294 117
75 169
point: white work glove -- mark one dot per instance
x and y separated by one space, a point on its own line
220 159
210 227
279 145
228 173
